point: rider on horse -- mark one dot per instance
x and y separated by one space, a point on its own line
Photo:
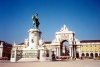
35 19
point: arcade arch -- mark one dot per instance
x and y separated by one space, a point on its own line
83 54
91 55
87 54
96 54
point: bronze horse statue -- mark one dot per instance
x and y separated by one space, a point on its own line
36 22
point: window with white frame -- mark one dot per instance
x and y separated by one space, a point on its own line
90 48
82 49
86 48
95 49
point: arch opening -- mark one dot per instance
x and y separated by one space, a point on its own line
87 54
91 55
77 55
64 48
83 54
96 54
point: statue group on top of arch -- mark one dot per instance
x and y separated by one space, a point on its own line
64 28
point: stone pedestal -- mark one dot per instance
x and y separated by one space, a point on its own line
50 58
1 49
42 56
32 50
34 36
13 55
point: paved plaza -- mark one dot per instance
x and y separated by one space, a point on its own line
77 63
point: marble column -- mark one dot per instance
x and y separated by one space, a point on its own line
79 49
98 53
93 55
79 54
85 54
89 54
74 52
50 54
57 52
70 51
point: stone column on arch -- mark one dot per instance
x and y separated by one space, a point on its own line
98 54
74 51
93 54
57 52
85 54
79 50
70 51
89 54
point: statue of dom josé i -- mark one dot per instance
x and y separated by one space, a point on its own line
36 22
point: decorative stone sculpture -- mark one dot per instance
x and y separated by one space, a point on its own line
41 41
64 28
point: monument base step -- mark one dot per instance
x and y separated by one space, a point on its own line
27 59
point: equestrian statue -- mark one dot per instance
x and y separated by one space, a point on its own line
36 22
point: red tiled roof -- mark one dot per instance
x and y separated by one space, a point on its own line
48 42
88 41
21 43
5 44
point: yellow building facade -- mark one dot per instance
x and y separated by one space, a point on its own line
90 48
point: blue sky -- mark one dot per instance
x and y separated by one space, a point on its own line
81 16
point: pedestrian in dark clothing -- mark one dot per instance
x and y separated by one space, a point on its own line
53 56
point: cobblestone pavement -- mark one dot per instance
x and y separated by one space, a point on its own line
77 63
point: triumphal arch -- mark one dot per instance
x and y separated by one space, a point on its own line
65 35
